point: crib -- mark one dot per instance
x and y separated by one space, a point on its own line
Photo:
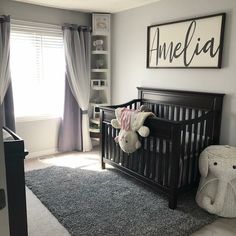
186 122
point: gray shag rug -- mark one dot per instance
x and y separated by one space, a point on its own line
108 202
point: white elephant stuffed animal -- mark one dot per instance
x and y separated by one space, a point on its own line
217 188
131 124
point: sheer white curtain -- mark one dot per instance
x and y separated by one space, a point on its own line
4 56
77 52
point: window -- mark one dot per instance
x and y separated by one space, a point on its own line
38 70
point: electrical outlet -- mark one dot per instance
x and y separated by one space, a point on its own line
2 199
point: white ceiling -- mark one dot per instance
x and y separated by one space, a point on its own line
110 6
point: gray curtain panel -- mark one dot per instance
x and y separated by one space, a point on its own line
4 56
77 40
8 110
70 135
6 95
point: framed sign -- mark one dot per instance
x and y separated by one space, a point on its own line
191 43
101 23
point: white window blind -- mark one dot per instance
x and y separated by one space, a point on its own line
38 69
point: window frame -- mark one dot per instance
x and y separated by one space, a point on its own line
50 29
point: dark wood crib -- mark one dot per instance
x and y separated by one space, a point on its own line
186 122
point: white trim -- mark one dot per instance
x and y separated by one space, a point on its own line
42 153
36 24
19 25
36 118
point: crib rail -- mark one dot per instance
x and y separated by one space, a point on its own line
157 150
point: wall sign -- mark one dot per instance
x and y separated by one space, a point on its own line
191 43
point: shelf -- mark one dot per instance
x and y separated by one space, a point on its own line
95 121
98 104
99 70
99 87
94 130
99 52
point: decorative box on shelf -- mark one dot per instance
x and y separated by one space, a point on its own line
98 84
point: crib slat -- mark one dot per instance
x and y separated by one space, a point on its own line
155 109
184 113
142 159
117 157
208 132
106 140
183 164
194 149
200 143
134 161
130 162
110 142
157 158
160 162
177 113
148 156
196 157
119 154
153 162
113 143
127 160
188 153
166 163
172 117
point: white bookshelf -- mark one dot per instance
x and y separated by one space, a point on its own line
100 85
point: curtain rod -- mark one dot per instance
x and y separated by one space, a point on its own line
4 18
75 27
32 23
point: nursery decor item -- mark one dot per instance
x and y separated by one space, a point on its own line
191 43
130 122
101 23
217 188
98 44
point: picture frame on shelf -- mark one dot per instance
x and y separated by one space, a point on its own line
103 83
98 82
96 112
101 23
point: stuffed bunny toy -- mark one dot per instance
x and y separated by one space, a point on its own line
131 124
217 188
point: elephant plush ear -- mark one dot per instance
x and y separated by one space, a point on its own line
144 131
203 164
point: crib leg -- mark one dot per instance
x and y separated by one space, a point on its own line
103 166
173 202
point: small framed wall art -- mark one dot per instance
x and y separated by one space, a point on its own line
190 43
101 23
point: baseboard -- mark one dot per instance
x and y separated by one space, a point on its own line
42 153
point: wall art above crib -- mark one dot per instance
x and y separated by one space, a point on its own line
191 43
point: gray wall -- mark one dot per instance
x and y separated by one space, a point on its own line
29 12
41 135
129 56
